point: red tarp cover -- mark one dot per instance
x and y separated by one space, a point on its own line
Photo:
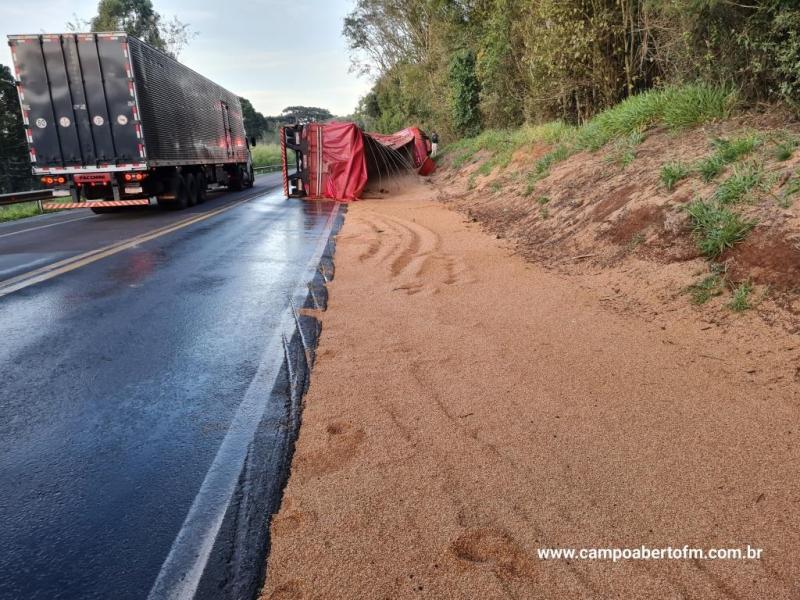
421 151
337 161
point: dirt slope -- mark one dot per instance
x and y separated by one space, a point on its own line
469 407
592 215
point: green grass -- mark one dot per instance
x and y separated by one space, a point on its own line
738 186
741 297
692 105
786 199
502 143
637 239
623 151
672 173
18 211
726 152
542 200
710 167
732 150
716 228
541 167
266 154
708 287
675 107
785 149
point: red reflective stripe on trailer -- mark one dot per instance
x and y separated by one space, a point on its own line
98 204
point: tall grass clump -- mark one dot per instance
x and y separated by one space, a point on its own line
697 103
672 173
732 150
741 297
784 150
634 114
717 228
742 181
675 107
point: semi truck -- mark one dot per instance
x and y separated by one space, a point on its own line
119 123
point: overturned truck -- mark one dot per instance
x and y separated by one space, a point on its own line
339 160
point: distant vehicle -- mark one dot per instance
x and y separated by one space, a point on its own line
119 123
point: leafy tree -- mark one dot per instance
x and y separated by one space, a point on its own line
499 66
255 124
465 94
140 19
134 17
15 166
305 114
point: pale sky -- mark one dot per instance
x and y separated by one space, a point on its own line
276 53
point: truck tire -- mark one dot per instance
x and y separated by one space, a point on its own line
202 188
191 189
235 182
176 187
251 178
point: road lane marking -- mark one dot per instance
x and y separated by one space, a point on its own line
187 559
66 265
45 226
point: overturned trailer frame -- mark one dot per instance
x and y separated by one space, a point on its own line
339 160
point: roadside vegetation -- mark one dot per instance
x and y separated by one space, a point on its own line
266 154
18 211
739 175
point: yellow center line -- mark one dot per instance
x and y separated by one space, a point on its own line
75 262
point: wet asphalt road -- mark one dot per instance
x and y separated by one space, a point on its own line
120 383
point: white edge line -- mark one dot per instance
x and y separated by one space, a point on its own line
187 559
3 235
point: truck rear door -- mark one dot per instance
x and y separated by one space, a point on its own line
78 99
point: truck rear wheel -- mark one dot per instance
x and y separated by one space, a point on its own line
191 189
202 188
179 193
251 177
235 182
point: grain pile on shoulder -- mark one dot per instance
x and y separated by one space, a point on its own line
468 408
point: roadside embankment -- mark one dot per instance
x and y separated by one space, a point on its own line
668 213
469 408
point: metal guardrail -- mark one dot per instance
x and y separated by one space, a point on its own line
267 169
20 197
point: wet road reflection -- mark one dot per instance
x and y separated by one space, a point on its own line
119 382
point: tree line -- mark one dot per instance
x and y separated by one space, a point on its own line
460 66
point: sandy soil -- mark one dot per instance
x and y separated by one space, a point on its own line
468 408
